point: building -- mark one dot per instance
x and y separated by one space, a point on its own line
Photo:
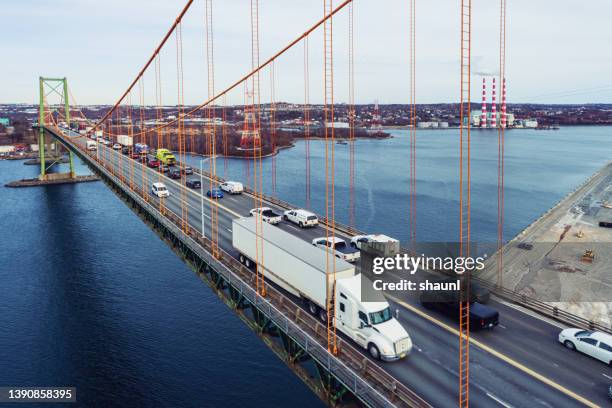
477 118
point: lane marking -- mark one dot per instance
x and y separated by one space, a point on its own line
607 376
499 355
499 401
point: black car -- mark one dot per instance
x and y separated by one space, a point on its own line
174 173
447 302
525 245
163 168
125 150
193 183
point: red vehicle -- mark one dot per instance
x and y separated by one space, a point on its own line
134 155
153 163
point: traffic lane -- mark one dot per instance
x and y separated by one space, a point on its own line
497 340
492 381
534 343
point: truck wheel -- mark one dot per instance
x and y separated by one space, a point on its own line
285 217
301 224
241 259
323 315
312 308
247 262
569 345
373 350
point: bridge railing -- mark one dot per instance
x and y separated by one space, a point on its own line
360 375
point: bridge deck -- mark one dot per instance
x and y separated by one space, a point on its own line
520 352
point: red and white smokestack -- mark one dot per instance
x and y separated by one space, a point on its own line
503 105
483 112
493 106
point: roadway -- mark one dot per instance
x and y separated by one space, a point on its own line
519 364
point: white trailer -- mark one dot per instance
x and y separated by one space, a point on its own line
301 269
125 140
98 133
92 145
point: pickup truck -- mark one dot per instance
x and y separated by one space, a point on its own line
302 218
341 250
267 215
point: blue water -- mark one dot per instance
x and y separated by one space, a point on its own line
92 298
541 167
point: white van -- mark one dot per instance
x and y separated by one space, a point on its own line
232 187
160 190
302 218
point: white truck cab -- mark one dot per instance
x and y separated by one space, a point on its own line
232 187
302 218
160 190
358 240
370 324
341 250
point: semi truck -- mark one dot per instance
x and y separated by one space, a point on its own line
125 140
301 269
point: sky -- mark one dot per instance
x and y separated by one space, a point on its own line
557 50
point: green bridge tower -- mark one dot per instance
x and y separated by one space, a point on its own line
58 86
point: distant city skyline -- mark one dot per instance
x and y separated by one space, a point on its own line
555 53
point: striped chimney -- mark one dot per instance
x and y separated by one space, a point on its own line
483 115
503 104
493 123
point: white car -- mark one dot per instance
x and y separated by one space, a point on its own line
302 218
232 187
358 240
160 190
595 344
267 215
116 146
341 250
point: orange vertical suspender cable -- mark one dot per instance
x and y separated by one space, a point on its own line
351 117
328 72
307 119
465 200
500 144
413 140
181 124
257 146
211 131
273 125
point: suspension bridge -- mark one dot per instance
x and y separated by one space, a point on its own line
449 366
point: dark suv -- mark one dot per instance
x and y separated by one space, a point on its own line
447 302
193 183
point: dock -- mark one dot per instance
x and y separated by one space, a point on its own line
35 182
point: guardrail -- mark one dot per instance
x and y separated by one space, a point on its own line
357 373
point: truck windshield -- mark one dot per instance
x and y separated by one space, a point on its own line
381 317
340 245
311 218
